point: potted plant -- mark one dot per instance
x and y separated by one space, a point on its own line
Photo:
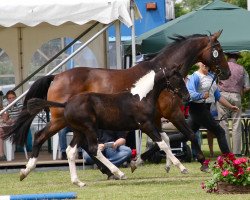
229 175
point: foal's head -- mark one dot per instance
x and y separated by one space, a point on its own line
174 82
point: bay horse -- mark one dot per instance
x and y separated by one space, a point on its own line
87 112
184 50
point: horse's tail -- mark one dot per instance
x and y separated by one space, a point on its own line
35 105
39 89
18 132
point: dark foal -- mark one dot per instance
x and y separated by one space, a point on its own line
85 113
184 50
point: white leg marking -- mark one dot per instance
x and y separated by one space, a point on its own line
71 154
110 165
165 137
29 167
163 146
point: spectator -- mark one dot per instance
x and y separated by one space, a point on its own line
203 91
112 145
9 117
63 143
232 89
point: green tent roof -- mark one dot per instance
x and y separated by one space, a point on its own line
215 16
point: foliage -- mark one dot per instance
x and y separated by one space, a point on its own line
228 169
245 61
180 10
191 5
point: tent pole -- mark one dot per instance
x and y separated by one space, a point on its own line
20 53
118 45
132 13
62 63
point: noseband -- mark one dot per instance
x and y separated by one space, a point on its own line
170 87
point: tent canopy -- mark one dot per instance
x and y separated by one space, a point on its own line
215 16
57 12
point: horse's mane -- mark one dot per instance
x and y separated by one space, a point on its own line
177 40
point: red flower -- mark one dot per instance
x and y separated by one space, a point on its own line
206 162
225 173
220 161
248 169
203 185
231 156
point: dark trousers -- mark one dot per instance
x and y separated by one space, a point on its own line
200 116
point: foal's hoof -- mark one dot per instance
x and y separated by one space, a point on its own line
167 169
184 171
204 168
79 183
124 177
133 166
22 174
113 177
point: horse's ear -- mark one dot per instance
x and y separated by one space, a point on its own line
217 34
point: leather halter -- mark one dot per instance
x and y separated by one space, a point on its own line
215 56
175 91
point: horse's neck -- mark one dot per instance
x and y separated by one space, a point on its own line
185 54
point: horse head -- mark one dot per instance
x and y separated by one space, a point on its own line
175 82
213 56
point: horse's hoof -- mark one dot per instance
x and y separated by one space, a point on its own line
22 174
184 171
113 177
132 166
79 184
124 177
204 168
167 169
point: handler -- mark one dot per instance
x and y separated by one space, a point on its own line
203 92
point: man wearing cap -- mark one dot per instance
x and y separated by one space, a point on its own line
232 89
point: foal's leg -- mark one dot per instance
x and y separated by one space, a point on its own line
40 137
71 154
165 137
163 146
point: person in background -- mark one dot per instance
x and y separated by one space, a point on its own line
9 117
112 145
232 89
204 91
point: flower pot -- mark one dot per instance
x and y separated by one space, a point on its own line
226 188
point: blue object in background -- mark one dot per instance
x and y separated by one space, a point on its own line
45 196
150 18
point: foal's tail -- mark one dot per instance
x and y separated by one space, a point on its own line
18 133
35 105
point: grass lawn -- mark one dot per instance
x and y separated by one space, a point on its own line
147 182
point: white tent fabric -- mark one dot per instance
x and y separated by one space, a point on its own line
57 12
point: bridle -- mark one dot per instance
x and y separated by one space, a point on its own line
215 56
170 87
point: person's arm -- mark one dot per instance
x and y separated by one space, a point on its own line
119 142
225 103
192 86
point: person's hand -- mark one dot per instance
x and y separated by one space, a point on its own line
206 95
5 117
235 108
101 147
115 145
